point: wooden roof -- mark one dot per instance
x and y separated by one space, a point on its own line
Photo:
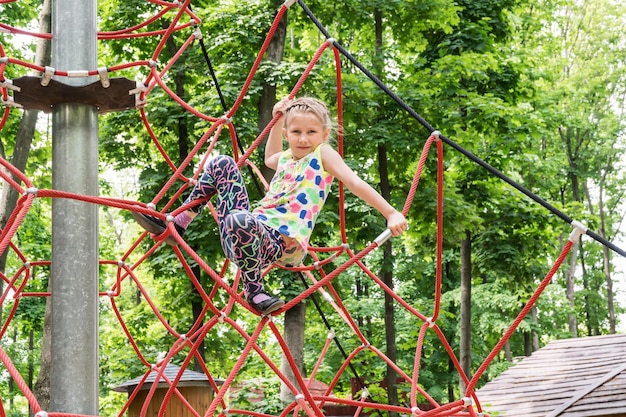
580 377
188 379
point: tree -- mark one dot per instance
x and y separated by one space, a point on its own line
583 108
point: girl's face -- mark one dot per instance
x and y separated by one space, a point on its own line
304 133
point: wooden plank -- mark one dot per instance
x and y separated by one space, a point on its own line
527 389
544 364
591 413
613 402
577 375
115 97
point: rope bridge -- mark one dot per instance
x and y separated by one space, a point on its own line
112 94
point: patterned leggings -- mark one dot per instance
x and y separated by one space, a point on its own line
250 244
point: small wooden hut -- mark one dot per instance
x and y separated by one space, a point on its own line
582 377
193 386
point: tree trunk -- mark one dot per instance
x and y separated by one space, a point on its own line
465 343
42 386
569 290
274 55
528 343
196 308
507 351
571 141
295 317
294 339
606 258
588 286
387 266
183 151
387 277
533 312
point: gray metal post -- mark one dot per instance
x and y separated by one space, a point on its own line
74 271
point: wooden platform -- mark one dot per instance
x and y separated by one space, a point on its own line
581 377
33 95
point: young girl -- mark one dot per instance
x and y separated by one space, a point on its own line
278 230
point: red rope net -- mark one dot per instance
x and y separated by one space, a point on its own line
16 286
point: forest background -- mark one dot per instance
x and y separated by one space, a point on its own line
535 88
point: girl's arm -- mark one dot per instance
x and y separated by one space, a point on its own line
334 163
274 145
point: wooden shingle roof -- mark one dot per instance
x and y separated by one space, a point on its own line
580 377
188 378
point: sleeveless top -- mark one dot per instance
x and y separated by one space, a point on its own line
294 200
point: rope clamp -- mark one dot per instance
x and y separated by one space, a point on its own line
47 76
414 411
299 397
436 134
289 3
430 322
27 264
151 206
41 414
467 401
9 85
197 33
383 237
4 59
365 393
9 102
331 334
579 229
331 41
227 120
222 317
32 190
104 77
139 88
120 264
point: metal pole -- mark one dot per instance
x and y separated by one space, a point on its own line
74 269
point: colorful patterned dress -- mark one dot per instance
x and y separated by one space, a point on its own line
295 199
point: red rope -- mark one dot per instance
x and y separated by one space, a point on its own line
215 312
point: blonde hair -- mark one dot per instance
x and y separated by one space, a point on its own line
309 105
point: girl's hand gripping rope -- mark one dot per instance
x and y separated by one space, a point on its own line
397 223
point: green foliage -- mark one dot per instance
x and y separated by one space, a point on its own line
260 394
502 79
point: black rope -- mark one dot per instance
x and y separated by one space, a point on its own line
313 298
450 142
260 189
225 108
